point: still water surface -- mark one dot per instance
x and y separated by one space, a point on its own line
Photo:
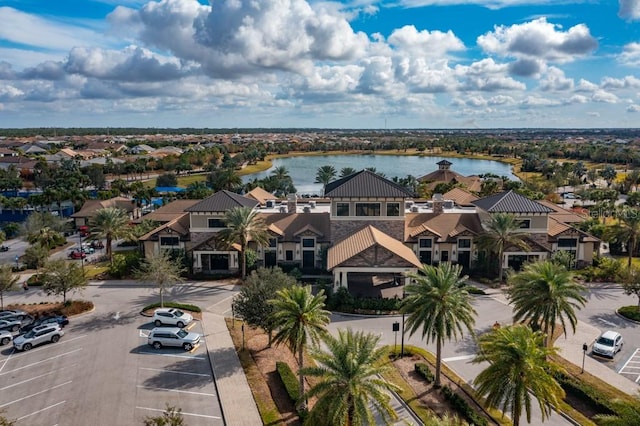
303 169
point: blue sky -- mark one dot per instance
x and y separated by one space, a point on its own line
302 63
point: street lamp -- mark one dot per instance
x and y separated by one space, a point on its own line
584 354
402 336
82 254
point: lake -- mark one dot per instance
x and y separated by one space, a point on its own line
303 169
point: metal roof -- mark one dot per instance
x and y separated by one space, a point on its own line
222 201
365 183
510 202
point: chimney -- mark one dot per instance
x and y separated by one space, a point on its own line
438 203
292 203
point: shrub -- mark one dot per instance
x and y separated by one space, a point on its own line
424 371
463 408
630 312
475 290
182 306
124 263
289 380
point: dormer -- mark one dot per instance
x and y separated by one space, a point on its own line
533 216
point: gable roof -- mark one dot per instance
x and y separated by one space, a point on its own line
90 207
564 215
168 212
222 201
510 202
363 239
365 183
445 225
260 195
179 225
290 225
460 197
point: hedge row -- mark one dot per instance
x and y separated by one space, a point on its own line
461 406
183 306
599 402
630 312
422 368
289 380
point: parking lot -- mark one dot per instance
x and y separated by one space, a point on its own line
102 372
631 368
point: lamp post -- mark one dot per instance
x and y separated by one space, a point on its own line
584 354
82 254
402 332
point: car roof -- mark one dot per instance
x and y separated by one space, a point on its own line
167 329
165 309
610 334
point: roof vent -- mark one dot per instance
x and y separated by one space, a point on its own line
306 209
271 203
408 204
437 197
312 204
414 209
283 209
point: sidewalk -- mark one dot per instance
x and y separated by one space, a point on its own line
570 348
236 399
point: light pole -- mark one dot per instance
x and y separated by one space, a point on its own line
402 336
584 354
82 254
395 328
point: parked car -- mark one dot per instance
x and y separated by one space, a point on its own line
11 324
97 244
5 337
39 335
171 316
174 336
13 313
61 320
4 248
87 248
608 344
77 254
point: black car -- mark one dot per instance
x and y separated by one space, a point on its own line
4 248
61 320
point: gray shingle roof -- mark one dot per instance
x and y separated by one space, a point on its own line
510 202
222 201
365 183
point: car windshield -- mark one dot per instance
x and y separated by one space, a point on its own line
178 313
29 335
604 341
182 334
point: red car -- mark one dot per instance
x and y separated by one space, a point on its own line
77 254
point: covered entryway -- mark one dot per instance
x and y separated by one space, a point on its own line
464 260
362 284
216 262
270 259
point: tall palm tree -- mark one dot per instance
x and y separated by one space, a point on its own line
325 175
437 302
543 293
346 171
299 319
243 224
502 230
518 372
348 380
8 281
626 230
110 223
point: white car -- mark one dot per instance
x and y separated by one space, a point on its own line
173 336
171 316
5 337
40 334
608 344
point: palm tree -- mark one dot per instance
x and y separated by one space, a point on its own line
162 271
8 281
502 230
543 293
325 175
243 224
518 372
348 380
626 230
299 319
110 223
346 171
438 302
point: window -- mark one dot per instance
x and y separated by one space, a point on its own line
567 242
425 242
342 209
273 242
169 241
216 223
525 224
393 209
288 255
367 209
308 242
466 243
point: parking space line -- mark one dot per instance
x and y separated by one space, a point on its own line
169 355
40 362
183 413
36 394
37 377
173 371
628 361
173 390
40 411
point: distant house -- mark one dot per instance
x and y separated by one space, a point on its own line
141 149
33 149
90 207
6 152
444 174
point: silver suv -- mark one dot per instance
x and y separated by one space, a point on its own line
177 337
40 334
171 316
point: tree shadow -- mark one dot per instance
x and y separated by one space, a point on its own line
103 321
187 373
610 320
222 359
600 291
